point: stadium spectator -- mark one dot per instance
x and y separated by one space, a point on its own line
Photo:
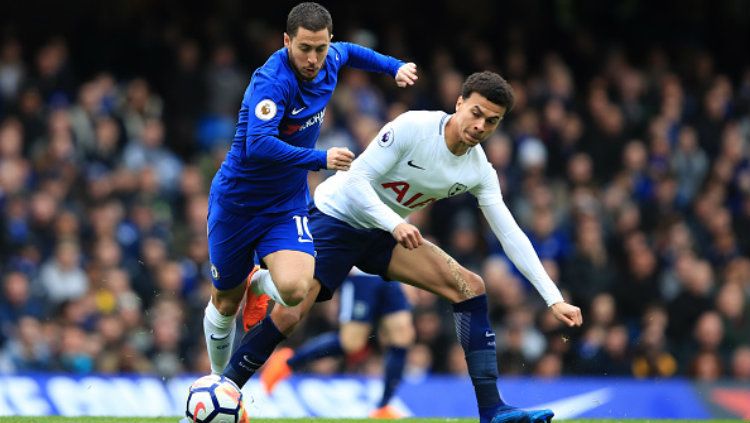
17 302
741 364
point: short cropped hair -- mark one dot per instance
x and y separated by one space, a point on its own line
308 15
490 86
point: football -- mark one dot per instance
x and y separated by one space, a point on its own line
215 399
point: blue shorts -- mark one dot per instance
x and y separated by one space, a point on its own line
339 247
366 298
234 240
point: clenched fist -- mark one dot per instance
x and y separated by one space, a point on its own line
407 75
339 158
567 313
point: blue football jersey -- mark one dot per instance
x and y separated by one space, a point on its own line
265 170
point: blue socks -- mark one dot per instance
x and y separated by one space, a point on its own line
478 341
395 361
325 345
255 348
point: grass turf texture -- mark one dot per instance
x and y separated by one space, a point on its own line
320 420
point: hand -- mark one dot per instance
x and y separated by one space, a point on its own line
567 313
406 75
339 158
407 235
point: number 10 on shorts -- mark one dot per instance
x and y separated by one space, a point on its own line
303 232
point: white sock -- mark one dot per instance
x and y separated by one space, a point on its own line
219 331
261 283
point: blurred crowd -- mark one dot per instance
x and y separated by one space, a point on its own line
630 175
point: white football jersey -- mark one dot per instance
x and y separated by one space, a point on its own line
409 166
415 169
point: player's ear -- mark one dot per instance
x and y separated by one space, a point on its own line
287 40
459 102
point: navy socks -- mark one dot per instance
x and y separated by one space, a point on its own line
255 348
478 341
395 361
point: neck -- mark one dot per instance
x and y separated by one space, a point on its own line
453 139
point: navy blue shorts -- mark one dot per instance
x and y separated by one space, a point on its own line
234 240
367 298
339 247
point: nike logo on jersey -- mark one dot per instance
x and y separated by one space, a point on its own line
297 111
412 164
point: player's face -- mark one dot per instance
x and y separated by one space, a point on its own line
477 118
307 51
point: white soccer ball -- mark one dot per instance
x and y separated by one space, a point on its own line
215 399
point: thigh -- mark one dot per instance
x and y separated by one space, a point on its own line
287 250
430 268
231 241
289 267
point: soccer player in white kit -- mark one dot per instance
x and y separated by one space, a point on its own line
358 220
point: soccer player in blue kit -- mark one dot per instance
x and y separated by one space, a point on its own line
359 220
258 202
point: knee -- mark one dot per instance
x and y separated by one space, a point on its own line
352 344
286 318
476 284
464 285
403 336
293 291
228 305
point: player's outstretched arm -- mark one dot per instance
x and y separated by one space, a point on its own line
370 60
520 251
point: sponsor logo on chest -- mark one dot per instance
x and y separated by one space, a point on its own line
409 196
316 119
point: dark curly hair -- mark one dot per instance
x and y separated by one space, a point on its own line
490 86
308 15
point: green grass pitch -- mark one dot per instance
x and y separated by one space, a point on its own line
321 420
